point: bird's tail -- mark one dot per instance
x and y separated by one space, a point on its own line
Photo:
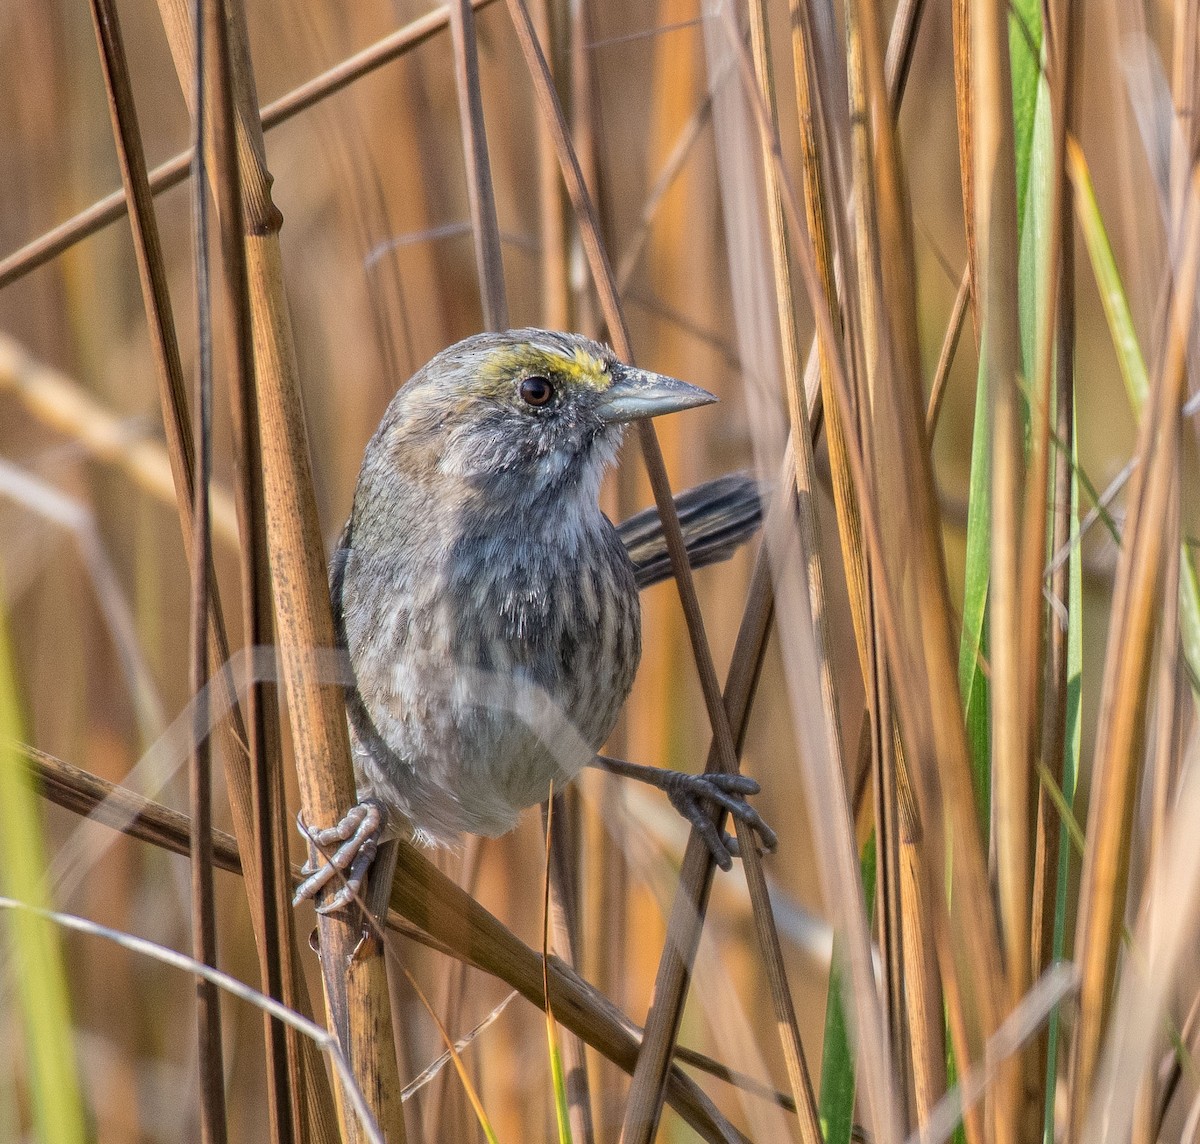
717 517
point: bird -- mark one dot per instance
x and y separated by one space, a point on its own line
489 609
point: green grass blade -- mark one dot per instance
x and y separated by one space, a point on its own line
1108 281
1025 52
972 680
561 1111
836 1104
1132 364
37 966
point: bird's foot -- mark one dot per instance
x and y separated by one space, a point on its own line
688 794
357 840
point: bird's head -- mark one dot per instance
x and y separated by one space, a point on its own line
523 413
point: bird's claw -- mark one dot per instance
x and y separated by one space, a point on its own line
357 840
728 791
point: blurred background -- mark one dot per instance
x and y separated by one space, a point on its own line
380 275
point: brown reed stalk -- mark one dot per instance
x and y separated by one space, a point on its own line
211 132
356 992
960 11
941 374
217 160
996 231
485 229
1041 652
567 308
888 764
1011 763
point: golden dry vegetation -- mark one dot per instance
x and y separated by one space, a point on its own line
828 215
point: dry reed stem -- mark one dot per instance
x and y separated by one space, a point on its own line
215 143
816 139
696 870
1120 738
901 47
1054 704
924 1003
689 907
562 831
171 173
1011 764
481 196
805 482
1043 637
211 129
964 110
567 292
996 232
356 991
903 931
678 155
438 906
941 374
888 320
1163 751
1163 939
887 761
552 212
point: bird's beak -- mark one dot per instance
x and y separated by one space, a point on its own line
637 393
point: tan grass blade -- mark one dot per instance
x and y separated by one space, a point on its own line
996 252
1163 938
963 88
1121 731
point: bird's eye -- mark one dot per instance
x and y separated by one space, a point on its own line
536 391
